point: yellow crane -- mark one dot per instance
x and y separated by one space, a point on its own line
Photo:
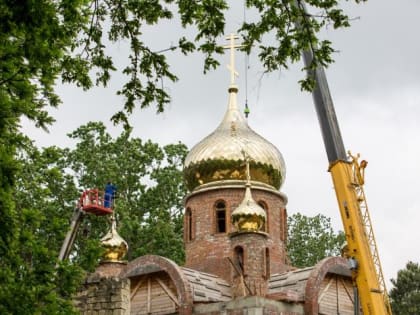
348 178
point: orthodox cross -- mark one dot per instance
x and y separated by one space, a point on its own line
231 38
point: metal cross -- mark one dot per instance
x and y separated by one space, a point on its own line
231 38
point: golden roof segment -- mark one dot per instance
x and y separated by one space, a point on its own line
248 216
227 143
220 156
115 246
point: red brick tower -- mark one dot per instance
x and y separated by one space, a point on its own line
208 225
215 174
251 261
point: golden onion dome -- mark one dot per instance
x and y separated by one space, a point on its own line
114 245
248 216
220 156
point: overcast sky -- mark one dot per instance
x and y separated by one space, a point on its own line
375 84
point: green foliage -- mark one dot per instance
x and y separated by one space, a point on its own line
43 195
42 41
310 239
150 190
405 295
294 30
70 39
47 185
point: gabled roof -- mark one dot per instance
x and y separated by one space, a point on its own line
192 286
302 285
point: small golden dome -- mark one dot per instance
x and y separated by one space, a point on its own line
115 246
248 216
219 156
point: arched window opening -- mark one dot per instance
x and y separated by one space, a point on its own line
220 217
267 263
263 205
239 259
188 227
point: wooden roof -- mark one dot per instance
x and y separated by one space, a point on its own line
291 286
294 281
207 287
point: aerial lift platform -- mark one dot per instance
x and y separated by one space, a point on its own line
92 201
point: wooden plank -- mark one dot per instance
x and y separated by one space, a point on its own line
329 300
321 296
152 298
168 291
149 294
138 285
345 288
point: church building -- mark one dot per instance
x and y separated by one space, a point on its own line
235 230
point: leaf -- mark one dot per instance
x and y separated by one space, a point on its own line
310 239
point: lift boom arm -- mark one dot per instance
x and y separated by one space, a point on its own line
71 234
348 182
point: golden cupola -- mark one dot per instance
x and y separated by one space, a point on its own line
249 216
220 156
114 245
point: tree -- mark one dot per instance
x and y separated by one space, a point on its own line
68 41
150 188
405 295
310 239
48 183
43 196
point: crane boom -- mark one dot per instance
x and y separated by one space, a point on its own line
348 179
71 234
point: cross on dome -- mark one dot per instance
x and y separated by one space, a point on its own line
231 66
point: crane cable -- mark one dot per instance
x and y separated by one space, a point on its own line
246 110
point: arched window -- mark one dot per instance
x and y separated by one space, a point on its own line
263 205
239 259
220 217
188 225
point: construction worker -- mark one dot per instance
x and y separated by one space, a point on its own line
110 190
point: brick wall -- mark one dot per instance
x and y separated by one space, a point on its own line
207 250
249 306
253 311
254 264
104 296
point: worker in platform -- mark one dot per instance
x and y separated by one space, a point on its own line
110 190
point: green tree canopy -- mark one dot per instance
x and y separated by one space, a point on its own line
48 184
149 182
43 196
43 41
405 295
69 40
310 239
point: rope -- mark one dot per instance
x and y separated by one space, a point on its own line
246 110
